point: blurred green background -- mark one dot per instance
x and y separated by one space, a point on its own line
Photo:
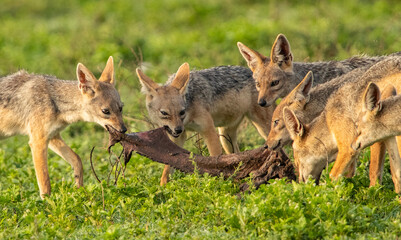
52 36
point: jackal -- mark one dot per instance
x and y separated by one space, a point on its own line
276 76
379 117
202 100
333 131
380 120
307 103
41 106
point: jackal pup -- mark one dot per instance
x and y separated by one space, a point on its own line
276 76
329 136
202 100
380 120
307 103
41 106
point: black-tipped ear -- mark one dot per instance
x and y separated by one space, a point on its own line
253 58
87 81
281 51
148 85
371 98
294 127
181 78
302 91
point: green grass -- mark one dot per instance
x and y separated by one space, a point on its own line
53 36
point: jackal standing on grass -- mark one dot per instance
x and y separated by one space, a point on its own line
41 106
307 103
276 76
330 135
202 100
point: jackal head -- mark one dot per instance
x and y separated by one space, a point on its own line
273 76
305 146
295 101
370 128
166 104
101 101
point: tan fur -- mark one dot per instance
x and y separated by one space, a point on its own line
166 103
41 106
334 130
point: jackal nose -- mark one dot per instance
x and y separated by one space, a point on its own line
262 102
123 129
178 130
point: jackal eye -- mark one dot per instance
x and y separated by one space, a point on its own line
106 111
257 84
274 83
182 112
276 122
164 113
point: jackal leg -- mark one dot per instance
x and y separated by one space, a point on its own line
350 171
345 156
228 137
58 146
377 156
261 118
210 135
167 169
393 148
38 146
344 160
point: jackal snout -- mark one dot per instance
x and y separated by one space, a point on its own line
273 145
278 135
117 125
176 131
262 102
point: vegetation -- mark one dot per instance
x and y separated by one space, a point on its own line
51 37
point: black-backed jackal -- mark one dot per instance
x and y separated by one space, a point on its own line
41 106
202 100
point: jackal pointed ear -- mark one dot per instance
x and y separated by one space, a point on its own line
148 85
87 81
371 98
302 91
294 127
108 72
281 52
252 57
181 78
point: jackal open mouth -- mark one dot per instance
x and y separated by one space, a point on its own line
109 127
171 132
